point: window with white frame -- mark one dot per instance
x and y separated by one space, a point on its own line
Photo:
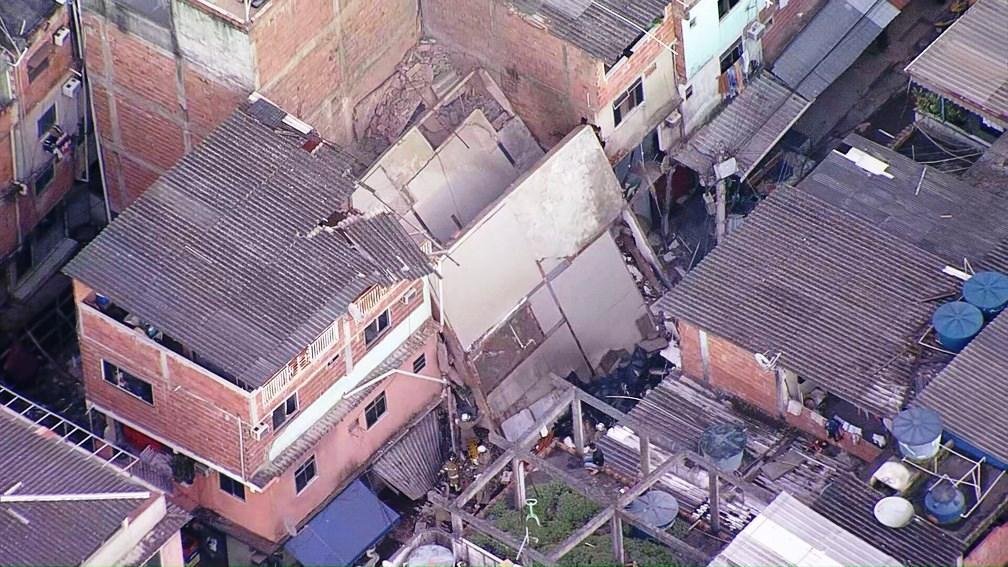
628 101
375 410
377 327
284 411
304 474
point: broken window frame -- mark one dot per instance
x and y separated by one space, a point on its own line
283 412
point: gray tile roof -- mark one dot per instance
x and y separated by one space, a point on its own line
599 27
971 393
969 62
830 43
26 14
307 441
223 253
945 216
840 300
746 129
56 533
850 503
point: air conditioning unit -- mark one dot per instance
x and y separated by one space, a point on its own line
259 431
755 31
60 37
408 296
71 87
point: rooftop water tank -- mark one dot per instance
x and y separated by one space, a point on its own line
430 555
894 511
656 507
987 291
944 502
724 443
918 431
956 323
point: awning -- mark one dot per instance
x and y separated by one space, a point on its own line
346 528
830 44
411 465
746 129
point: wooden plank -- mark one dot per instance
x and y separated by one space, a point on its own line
577 421
619 557
518 466
645 454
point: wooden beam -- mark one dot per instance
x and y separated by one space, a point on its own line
582 533
577 420
492 470
619 557
518 466
715 499
489 529
693 555
645 454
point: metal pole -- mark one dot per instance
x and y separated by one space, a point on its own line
721 213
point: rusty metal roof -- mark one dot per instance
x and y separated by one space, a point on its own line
968 63
411 465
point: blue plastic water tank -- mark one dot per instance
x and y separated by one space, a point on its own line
658 507
944 502
956 323
918 431
987 291
724 443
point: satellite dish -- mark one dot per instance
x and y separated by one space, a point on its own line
894 511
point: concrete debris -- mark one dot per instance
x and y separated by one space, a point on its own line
651 346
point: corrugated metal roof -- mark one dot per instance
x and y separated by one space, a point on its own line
933 210
969 62
310 438
175 518
971 393
37 461
602 28
850 503
830 43
747 128
839 299
412 464
223 252
788 532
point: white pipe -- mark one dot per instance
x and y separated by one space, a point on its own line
140 495
241 448
385 375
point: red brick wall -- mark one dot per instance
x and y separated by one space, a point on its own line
630 70
147 116
863 449
8 213
786 24
732 369
545 79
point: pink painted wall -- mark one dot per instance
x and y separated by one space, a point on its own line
337 457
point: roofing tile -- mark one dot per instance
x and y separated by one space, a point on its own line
224 252
840 300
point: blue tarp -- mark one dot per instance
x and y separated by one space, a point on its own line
353 522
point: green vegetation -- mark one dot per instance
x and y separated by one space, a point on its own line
562 511
931 103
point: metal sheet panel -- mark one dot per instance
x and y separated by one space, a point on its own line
411 465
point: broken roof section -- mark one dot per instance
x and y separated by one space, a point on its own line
604 29
915 203
840 300
788 532
746 129
246 250
457 159
968 63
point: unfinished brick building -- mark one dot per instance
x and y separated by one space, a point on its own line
164 73
44 135
279 344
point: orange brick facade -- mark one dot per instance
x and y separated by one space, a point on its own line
154 101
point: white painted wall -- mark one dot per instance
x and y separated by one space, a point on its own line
550 213
375 356
660 98
203 39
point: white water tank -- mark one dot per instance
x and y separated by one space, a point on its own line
894 511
